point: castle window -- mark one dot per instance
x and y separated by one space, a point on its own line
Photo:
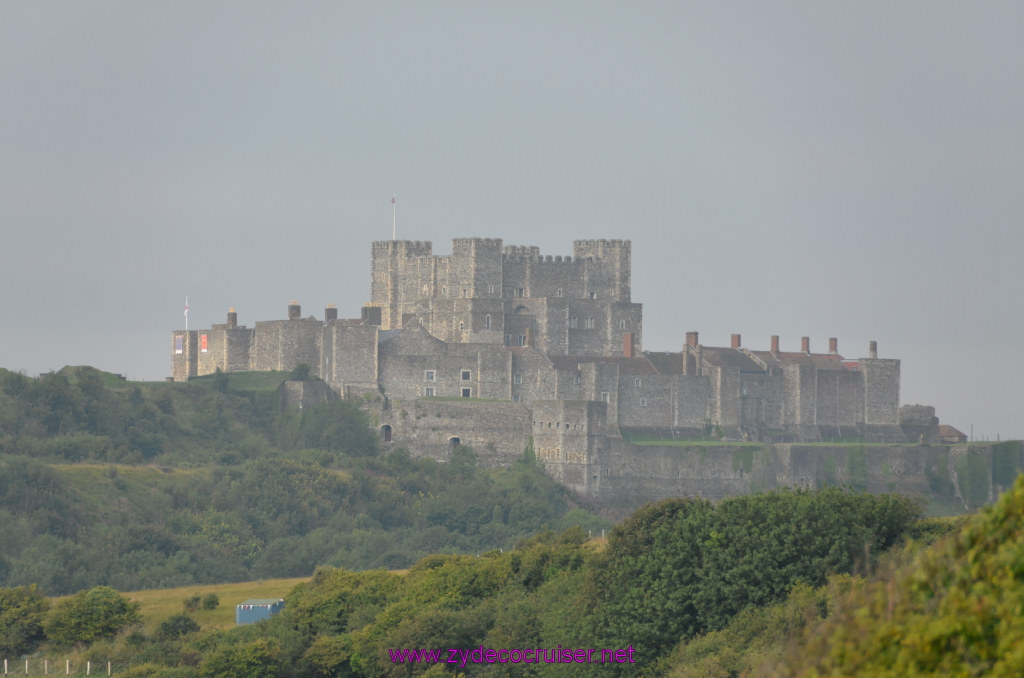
508 339
588 323
643 402
558 424
559 292
462 326
522 340
490 289
517 379
516 398
487 321
572 322
593 295
636 382
466 392
465 375
577 380
622 324
520 291
430 375
604 396
429 391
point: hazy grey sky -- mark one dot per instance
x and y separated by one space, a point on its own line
794 168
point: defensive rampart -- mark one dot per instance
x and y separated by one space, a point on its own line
949 477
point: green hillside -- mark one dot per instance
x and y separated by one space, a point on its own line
134 486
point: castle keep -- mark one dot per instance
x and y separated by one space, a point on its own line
493 345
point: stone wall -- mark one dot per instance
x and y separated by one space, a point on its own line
567 437
967 476
184 354
454 295
286 344
881 390
427 427
350 355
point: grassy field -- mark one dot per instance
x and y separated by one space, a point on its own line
159 604
156 605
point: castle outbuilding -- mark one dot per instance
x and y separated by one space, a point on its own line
549 349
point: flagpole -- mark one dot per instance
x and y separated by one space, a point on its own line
394 215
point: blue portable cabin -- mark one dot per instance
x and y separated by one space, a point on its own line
257 609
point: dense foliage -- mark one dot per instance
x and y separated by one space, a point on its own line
663 577
952 610
159 485
88 616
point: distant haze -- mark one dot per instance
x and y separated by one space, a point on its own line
842 170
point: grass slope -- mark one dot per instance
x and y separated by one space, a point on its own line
156 605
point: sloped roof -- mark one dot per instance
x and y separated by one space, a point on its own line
729 357
822 361
666 363
639 365
947 431
387 335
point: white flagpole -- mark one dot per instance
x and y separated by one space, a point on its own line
394 215
186 314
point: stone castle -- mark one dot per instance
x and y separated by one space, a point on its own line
494 346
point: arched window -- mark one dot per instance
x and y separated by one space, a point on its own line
487 321
386 433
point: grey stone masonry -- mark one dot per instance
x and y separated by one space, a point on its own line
502 330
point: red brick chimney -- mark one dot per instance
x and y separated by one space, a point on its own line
691 339
805 344
833 345
775 343
735 341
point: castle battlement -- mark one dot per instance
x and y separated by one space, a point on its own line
558 336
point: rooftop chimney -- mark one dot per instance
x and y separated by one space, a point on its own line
805 344
775 343
232 318
735 341
833 345
294 310
370 315
331 312
873 349
691 339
